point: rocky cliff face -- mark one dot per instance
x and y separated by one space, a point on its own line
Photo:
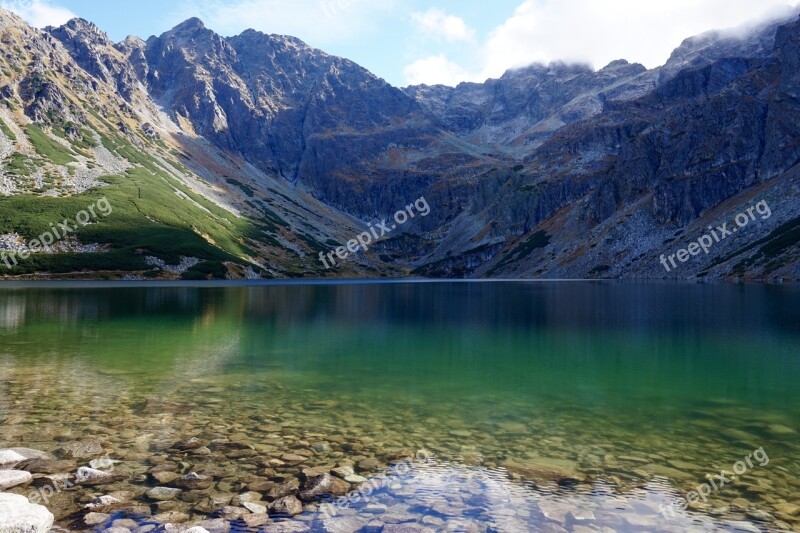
557 171
320 122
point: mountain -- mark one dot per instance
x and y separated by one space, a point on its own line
249 156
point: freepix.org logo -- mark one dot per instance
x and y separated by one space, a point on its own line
716 235
375 233
57 232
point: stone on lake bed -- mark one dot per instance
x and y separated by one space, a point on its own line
94 519
90 476
30 453
215 525
286 527
10 458
316 471
343 471
324 485
254 507
14 478
292 459
368 465
84 449
544 470
254 520
103 463
193 481
171 516
344 524
285 489
102 501
164 478
163 494
191 443
45 466
789 509
18 515
288 505
196 529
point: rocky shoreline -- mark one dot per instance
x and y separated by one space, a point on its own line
182 490
198 485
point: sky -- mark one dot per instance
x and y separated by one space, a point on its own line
445 41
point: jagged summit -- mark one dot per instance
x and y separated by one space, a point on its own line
190 24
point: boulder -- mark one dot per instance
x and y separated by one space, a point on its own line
324 485
10 458
13 478
288 505
18 515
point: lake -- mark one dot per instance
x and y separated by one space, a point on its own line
553 406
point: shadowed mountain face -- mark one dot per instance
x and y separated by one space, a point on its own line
556 171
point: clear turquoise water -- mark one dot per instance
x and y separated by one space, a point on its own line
643 388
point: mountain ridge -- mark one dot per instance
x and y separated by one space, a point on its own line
531 175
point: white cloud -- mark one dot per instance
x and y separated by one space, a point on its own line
436 22
320 22
434 70
39 13
597 32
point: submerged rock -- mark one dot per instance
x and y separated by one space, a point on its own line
18 515
29 453
193 481
14 478
103 501
191 443
90 476
288 505
45 466
543 470
324 485
163 493
10 458
85 449
285 489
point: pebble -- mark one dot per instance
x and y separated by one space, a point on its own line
163 493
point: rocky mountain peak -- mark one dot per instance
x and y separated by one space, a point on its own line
81 35
189 25
286 42
8 18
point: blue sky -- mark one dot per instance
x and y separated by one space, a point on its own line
444 41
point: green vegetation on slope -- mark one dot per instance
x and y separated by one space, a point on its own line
7 131
47 147
153 214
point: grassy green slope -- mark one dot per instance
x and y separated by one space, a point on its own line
153 214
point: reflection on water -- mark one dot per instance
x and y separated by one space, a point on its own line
573 405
